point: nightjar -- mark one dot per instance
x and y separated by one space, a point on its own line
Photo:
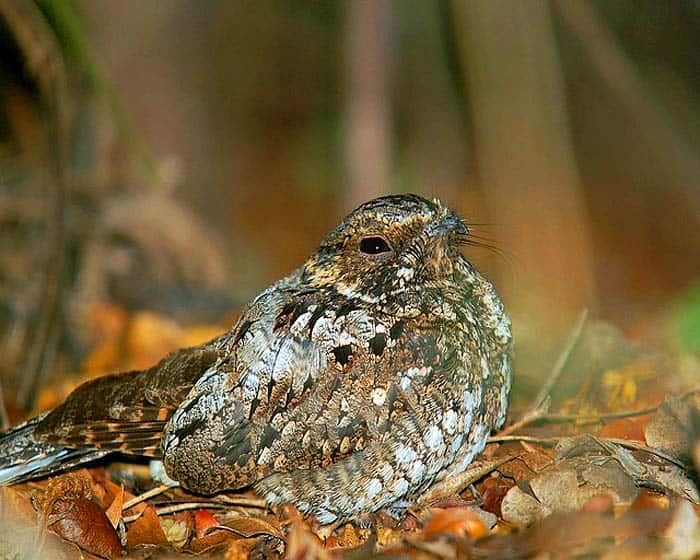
376 369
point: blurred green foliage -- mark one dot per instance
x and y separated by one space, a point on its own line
686 319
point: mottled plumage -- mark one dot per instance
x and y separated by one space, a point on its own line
376 369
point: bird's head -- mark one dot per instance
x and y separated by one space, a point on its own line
388 245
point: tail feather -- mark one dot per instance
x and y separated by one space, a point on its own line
22 457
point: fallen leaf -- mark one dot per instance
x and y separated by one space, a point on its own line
626 428
203 521
683 534
241 549
114 511
493 490
176 531
248 526
600 503
347 538
83 523
585 467
146 529
455 521
621 384
386 536
303 544
670 429
648 499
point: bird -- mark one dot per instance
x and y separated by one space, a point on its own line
375 370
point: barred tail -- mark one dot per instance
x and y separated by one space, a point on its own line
23 458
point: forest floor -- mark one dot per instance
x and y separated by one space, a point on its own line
609 471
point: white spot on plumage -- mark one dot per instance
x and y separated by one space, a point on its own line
502 332
379 396
469 399
417 471
399 487
404 454
449 421
457 443
288 428
345 338
405 273
485 370
374 487
265 456
433 437
302 322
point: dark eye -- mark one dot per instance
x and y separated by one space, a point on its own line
374 245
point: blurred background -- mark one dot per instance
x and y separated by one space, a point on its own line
162 162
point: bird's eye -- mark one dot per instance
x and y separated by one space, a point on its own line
374 245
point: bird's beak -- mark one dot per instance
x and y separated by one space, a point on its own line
451 223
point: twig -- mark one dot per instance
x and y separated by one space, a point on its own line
457 483
540 405
256 503
550 441
553 440
561 362
243 534
595 418
166 510
145 496
641 447
243 502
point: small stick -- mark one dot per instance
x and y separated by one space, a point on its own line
595 418
621 442
531 439
143 497
243 502
561 362
641 447
456 484
540 405
188 505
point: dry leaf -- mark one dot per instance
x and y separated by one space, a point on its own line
670 429
683 534
114 511
493 490
626 428
203 521
146 529
347 538
83 523
303 544
459 522
600 503
176 531
248 526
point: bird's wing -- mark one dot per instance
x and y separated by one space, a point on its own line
366 390
127 412
305 403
